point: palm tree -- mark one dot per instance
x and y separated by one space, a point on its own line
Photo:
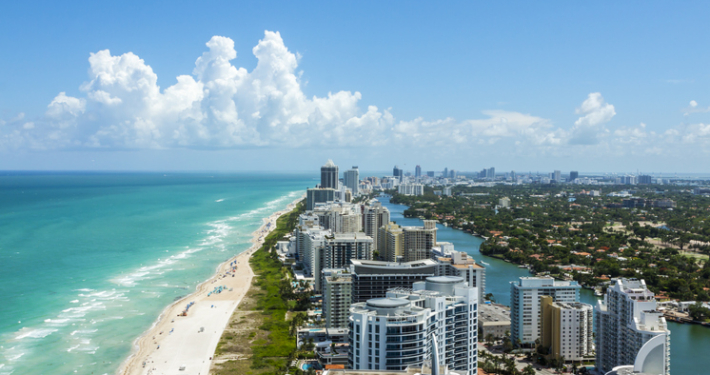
528 370
489 339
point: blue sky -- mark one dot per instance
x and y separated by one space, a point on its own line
517 85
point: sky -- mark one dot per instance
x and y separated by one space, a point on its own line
284 86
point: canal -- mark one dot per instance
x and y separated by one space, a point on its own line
690 344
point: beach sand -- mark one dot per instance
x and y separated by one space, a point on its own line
190 341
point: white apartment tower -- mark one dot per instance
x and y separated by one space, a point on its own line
630 331
396 332
351 180
525 305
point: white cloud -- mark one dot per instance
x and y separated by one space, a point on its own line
589 129
693 108
220 105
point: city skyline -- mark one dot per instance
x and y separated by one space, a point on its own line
208 96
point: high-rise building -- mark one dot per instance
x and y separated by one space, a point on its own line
446 173
525 306
419 241
397 173
513 177
504 202
452 174
644 179
337 296
630 330
567 329
309 242
329 175
411 189
491 173
557 176
374 216
338 217
458 263
573 176
417 172
372 279
351 179
431 173
403 329
337 251
322 195
390 243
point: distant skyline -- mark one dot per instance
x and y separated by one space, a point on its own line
279 86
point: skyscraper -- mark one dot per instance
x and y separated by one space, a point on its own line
419 241
573 176
491 173
630 330
374 216
525 304
397 173
418 172
393 333
644 179
557 176
351 178
329 175
446 173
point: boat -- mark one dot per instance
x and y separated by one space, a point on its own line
484 263
598 292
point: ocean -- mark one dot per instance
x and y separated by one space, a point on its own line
89 260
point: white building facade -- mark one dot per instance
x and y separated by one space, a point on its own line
525 304
630 330
394 333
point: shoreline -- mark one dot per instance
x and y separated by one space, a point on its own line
178 334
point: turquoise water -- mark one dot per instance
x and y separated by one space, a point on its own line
689 342
88 261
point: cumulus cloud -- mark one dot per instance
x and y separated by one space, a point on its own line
218 106
221 106
589 129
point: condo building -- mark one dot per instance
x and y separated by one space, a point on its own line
374 216
458 263
567 329
419 241
411 189
403 329
390 243
631 332
351 180
372 279
319 195
329 175
525 304
337 290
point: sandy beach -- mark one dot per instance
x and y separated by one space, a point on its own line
190 341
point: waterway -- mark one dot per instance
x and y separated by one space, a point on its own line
689 343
